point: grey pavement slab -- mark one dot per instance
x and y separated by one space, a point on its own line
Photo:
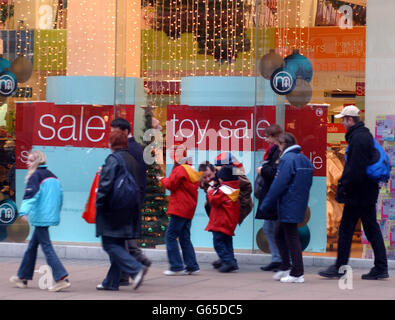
95 252
250 283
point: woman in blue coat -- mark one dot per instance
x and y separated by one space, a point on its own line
290 193
41 203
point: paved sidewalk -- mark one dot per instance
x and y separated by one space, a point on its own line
249 283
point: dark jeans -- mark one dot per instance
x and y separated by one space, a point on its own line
288 243
350 217
132 247
41 237
120 260
223 245
180 228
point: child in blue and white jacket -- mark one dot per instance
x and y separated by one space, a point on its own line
41 203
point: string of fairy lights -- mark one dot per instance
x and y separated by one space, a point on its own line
49 45
219 40
197 38
181 38
291 27
223 37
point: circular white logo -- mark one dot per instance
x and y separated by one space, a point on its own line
282 82
7 85
319 112
8 213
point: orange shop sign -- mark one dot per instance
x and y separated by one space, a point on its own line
327 48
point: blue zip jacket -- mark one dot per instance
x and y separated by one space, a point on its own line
291 187
43 198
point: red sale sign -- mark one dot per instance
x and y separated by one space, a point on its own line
336 128
309 126
218 128
47 124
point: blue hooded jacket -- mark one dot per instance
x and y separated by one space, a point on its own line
291 187
43 198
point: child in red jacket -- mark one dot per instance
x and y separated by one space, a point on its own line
183 183
224 217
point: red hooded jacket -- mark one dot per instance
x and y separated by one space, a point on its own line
183 183
225 208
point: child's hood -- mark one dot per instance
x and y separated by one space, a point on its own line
192 174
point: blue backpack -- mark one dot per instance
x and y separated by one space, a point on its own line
126 192
379 171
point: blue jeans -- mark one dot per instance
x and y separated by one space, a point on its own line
268 229
180 228
41 237
121 261
223 245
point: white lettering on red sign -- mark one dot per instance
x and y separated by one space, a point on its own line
239 129
317 161
64 125
49 122
102 128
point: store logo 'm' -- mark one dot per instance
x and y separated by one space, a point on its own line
319 112
282 82
8 212
7 85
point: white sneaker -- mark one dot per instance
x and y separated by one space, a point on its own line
281 274
19 282
60 285
292 279
193 272
175 273
138 280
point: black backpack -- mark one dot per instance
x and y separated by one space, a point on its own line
126 192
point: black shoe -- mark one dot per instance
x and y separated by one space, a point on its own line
217 264
375 274
273 266
147 263
331 272
228 268
124 283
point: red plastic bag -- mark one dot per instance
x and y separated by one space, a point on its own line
89 213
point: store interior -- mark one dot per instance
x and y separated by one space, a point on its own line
171 49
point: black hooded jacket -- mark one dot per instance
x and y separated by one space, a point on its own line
268 172
121 223
354 187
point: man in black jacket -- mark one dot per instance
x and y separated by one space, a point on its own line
136 151
206 178
359 194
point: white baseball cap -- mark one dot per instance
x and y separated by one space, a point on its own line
350 111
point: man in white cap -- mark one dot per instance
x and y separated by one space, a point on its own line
359 194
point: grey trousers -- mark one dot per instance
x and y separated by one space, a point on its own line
137 253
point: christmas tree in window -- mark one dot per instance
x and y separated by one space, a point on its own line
154 218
